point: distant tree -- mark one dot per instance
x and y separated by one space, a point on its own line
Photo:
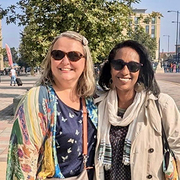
14 53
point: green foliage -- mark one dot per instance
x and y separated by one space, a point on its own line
102 22
129 2
152 15
14 54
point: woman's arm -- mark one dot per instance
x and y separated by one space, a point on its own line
28 132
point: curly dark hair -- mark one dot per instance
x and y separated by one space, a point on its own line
146 75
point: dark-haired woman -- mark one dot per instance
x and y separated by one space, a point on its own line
129 145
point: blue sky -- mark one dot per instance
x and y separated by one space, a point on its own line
10 32
11 36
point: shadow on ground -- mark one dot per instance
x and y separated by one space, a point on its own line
6 113
2 95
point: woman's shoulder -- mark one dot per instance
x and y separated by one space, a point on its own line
165 100
100 96
163 97
92 110
38 91
35 88
89 101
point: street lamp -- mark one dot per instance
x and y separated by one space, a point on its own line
168 41
179 30
177 12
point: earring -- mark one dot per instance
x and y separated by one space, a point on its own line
111 84
139 86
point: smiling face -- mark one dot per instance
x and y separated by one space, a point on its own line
124 80
65 72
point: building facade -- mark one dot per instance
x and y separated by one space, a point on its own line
152 27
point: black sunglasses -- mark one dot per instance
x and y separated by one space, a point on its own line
132 65
72 55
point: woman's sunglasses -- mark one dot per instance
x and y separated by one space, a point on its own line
72 55
132 65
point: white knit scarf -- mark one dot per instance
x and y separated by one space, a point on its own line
107 116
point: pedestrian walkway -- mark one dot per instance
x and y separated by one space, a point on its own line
7 93
171 88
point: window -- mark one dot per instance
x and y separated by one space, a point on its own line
136 19
147 29
153 21
153 31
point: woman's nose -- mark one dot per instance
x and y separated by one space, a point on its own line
65 60
125 70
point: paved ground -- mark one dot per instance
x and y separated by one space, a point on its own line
7 93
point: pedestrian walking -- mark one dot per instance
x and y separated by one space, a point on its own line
47 138
13 75
130 126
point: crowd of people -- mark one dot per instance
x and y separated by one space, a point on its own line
124 126
171 67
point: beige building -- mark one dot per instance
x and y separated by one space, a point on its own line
152 27
1 56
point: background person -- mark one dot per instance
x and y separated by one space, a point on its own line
129 141
46 139
13 76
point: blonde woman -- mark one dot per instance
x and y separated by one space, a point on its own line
46 139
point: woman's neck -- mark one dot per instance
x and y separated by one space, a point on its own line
125 99
68 96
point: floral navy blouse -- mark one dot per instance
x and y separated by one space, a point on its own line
69 140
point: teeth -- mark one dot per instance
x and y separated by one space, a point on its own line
65 69
124 79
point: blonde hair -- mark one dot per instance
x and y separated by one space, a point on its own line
86 82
